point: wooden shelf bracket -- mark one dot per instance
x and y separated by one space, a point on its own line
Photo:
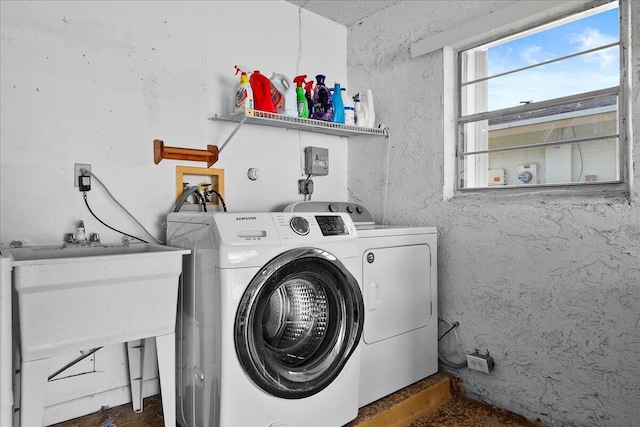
161 151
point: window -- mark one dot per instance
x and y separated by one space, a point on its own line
542 107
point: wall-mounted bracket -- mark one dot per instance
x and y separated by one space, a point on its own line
160 151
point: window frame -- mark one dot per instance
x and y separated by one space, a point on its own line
622 184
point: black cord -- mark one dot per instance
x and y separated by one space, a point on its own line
449 330
86 202
201 200
224 206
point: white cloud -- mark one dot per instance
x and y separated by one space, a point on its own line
591 38
531 55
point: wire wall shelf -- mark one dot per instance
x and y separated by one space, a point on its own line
288 122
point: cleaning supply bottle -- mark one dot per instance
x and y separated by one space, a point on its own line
322 103
261 87
338 107
349 108
308 94
303 108
288 105
370 112
244 93
359 111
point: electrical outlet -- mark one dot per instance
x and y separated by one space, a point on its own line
305 186
480 362
77 173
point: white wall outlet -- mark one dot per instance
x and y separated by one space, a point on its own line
76 171
480 362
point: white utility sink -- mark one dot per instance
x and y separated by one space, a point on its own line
78 298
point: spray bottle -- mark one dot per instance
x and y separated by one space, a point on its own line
308 94
261 86
244 94
303 108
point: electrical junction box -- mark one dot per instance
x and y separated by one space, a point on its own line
316 161
496 177
527 174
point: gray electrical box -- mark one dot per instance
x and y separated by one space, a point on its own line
316 161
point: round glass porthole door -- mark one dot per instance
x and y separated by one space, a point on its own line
298 322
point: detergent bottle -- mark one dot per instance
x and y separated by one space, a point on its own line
349 108
303 107
369 110
322 103
244 94
338 107
359 111
261 87
308 94
287 104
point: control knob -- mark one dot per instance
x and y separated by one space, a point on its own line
299 225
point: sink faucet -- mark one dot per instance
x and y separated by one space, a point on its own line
79 238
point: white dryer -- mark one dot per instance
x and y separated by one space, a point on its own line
270 315
399 286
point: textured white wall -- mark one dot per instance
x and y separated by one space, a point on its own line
550 285
97 82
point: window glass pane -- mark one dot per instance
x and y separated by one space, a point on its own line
596 117
585 162
583 73
563 78
575 137
507 138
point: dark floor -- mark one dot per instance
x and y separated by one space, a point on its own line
437 401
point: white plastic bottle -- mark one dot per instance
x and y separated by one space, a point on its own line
349 108
369 110
285 86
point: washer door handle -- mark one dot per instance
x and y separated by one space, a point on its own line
372 296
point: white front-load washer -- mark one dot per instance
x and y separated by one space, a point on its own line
399 286
269 319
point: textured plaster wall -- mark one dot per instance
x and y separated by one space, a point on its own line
549 284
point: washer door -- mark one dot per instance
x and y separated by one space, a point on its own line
298 322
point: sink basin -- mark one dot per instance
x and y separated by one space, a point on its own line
76 298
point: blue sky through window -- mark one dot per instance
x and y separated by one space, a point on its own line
584 73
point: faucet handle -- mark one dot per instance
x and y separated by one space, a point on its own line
94 237
69 238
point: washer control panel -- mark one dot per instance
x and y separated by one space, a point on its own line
332 225
358 213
